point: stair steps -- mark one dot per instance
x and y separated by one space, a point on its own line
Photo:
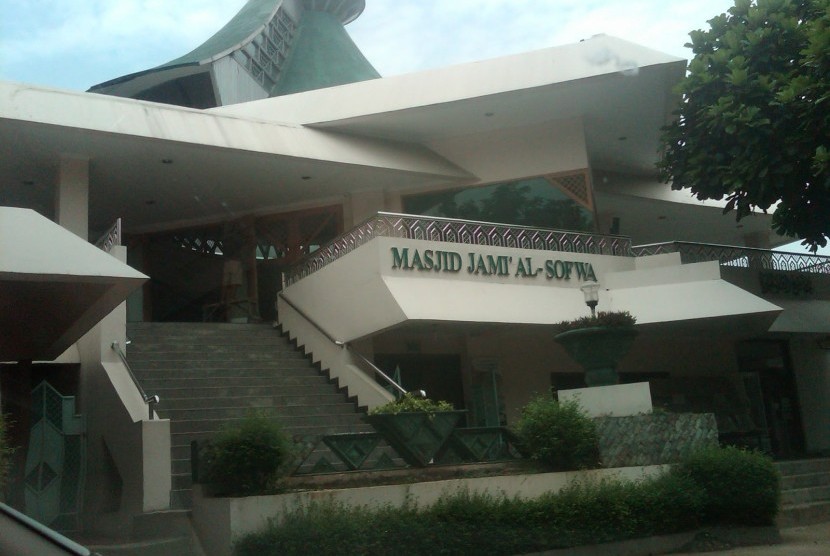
211 374
805 492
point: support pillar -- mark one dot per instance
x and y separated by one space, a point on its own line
72 195
758 240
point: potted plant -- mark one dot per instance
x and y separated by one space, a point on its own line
416 427
598 342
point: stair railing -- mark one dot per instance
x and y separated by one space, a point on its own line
399 390
150 400
111 238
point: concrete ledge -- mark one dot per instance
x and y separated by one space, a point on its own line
701 540
663 544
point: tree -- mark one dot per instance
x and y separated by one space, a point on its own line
753 126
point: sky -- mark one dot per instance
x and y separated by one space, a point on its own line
75 44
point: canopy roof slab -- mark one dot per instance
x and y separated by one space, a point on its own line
619 89
161 166
54 286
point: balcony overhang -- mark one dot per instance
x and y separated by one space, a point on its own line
397 269
54 286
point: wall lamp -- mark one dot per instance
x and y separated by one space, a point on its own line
590 290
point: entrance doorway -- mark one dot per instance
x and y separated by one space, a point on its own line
767 373
189 268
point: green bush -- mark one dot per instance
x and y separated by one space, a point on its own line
247 458
471 523
411 403
740 487
558 434
613 319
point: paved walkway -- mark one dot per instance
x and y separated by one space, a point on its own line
809 540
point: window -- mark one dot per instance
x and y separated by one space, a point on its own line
536 202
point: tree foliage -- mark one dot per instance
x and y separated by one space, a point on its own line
754 123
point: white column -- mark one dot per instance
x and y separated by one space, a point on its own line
758 240
72 195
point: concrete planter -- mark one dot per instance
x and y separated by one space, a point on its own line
417 436
221 521
598 350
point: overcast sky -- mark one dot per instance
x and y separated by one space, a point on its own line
75 44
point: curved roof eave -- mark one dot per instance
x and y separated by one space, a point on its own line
241 29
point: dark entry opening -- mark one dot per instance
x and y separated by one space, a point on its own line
773 399
438 375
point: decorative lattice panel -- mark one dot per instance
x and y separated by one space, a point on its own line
653 439
577 186
54 470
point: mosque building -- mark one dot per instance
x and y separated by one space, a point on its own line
432 226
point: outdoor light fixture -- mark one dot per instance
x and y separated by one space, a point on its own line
591 292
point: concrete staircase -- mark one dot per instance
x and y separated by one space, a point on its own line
805 492
165 533
210 374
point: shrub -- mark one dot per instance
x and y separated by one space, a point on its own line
612 319
740 487
473 523
558 434
411 403
247 458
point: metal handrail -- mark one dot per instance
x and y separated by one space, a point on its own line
735 256
150 400
389 380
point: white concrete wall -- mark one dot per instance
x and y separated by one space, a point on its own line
614 400
72 194
360 205
219 521
364 291
118 423
508 154
337 359
811 365
234 84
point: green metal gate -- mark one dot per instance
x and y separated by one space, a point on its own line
55 460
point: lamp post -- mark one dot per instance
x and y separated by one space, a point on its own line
591 292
